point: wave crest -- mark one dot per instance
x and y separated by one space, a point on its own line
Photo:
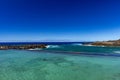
53 46
116 52
35 49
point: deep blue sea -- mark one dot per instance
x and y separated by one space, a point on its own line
60 61
48 43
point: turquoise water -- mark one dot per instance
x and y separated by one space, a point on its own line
81 48
40 65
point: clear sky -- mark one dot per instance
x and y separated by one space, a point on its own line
59 20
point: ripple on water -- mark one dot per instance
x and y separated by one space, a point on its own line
58 67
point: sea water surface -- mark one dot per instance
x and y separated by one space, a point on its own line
61 62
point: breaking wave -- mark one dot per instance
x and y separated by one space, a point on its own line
116 52
35 49
53 46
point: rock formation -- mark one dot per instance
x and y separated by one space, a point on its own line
28 46
107 43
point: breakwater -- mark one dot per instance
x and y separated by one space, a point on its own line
23 46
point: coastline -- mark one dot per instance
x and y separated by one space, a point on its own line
32 45
23 46
110 43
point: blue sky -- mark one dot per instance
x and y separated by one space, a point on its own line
59 20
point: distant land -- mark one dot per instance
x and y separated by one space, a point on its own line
107 43
33 45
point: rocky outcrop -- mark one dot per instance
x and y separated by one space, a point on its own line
107 43
31 46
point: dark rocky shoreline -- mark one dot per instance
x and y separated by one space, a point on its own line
107 43
27 46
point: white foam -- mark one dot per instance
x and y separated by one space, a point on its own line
35 49
88 45
116 52
53 46
102 46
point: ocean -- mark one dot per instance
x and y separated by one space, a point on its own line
61 61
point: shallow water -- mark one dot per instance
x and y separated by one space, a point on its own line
32 65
